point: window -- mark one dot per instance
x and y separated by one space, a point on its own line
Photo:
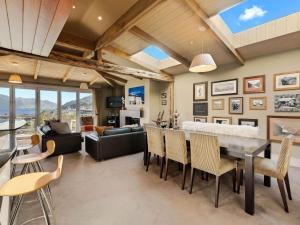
4 103
69 108
25 108
48 105
86 104
154 57
251 13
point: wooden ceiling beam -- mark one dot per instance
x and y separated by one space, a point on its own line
194 6
37 69
75 61
70 41
113 77
67 74
94 80
151 40
106 80
127 20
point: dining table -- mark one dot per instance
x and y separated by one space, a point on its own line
246 148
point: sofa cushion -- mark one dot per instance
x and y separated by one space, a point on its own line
46 129
137 129
116 131
60 127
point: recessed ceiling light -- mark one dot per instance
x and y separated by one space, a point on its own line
191 42
99 17
15 63
73 6
202 28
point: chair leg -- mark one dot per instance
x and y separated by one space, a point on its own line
192 179
167 168
217 191
46 216
234 180
282 192
287 185
202 175
16 211
239 179
161 167
157 160
206 176
184 176
148 160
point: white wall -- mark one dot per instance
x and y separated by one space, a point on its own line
152 105
268 65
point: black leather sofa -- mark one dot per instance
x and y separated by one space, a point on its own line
115 142
64 143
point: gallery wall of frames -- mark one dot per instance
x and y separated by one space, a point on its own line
265 92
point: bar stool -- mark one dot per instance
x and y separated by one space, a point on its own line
35 141
33 160
30 183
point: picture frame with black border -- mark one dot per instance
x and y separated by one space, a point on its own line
200 91
236 105
200 109
201 119
248 122
232 84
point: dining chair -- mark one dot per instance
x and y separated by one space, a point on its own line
176 150
278 170
35 141
155 140
206 156
31 183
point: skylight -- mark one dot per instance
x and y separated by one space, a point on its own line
153 57
156 52
251 13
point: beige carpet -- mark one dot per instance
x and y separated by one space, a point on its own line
120 192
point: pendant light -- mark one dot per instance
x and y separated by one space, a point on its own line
202 63
15 78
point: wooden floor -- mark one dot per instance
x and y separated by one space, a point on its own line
120 192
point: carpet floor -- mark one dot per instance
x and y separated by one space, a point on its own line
120 192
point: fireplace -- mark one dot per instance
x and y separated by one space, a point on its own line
131 120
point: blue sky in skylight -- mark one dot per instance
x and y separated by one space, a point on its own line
156 52
251 13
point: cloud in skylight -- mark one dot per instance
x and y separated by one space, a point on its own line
252 13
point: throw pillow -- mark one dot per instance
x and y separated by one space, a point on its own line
60 128
100 129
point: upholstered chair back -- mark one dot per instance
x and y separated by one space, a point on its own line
205 152
284 156
155 141
176 146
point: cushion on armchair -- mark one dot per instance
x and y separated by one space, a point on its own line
60 127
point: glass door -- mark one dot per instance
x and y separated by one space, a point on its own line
25 109
69 108
48 106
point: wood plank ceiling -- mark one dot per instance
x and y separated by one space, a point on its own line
32 26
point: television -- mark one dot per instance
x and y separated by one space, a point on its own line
114 102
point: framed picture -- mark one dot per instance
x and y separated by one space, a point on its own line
222 120
281 126
218 104
248 122
287 103
200 109
236 105
286 81
200 91
136 95
258 103
254 84
201 119
224 87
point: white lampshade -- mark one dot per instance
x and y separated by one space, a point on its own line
202 63
84 86
15 79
